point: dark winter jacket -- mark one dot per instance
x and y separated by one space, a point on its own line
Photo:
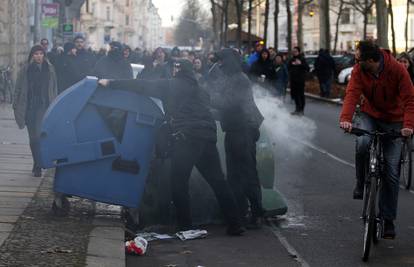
297 73
184 102
67 72
85 61
26 88
110 67
262 67
324 66
281 74
234 99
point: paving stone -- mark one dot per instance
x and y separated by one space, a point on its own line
93 261
16 194
115 233
109 248
3 237
11 211
6 227
8 218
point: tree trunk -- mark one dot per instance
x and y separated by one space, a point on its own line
239 9
364 34
266 21
222 29
299 33
391 12
226 20
276 22
338 19
382 23
214 23
249 24
406 25
325 34
289 26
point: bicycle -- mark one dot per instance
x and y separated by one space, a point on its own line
6 85
406 164
373 224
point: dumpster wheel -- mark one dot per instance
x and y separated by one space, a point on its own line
61 205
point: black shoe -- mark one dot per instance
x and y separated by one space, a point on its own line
295 113
389 229
254 223
37 172
235 230
359 190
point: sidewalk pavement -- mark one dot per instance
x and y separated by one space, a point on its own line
30 234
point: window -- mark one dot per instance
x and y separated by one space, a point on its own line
126 20
126 2
93 9
346 16
108 13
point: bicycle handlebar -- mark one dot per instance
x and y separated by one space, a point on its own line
359 132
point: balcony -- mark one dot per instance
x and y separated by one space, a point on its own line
108 24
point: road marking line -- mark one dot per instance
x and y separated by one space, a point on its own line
290 249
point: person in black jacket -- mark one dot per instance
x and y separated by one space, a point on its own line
240 119
325 69
195 137
114 65
85 61
298 68
66 69
262 70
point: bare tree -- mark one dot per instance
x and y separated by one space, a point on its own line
239 10
249 23
214 15
338 19
190 27
299 33
325 33
266 20
364 7
276 23
289 25
391 13
382 23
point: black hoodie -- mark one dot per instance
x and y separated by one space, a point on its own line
234 99
184 102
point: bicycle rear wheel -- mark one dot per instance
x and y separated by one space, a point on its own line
406 165
370 219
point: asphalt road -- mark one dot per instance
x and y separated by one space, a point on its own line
323 224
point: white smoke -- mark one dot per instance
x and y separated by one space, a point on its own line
282 128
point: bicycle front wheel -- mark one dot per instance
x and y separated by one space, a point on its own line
370 220
406 165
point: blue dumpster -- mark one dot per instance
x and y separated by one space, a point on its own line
100 141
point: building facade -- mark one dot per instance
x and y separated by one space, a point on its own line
133 22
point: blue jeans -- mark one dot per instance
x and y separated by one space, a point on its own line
388 198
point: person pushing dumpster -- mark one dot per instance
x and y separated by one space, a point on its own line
194 137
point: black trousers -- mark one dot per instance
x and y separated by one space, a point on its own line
202 154
242 172
34 119
298 95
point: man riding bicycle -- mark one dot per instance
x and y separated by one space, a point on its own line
387 104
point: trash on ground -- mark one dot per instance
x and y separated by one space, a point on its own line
191 234
138 246
154 236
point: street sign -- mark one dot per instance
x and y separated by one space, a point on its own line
50 22
67 30
50 10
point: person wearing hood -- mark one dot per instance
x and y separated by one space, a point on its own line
194 140
35 89
66 69
298 68
325 70
114 65
240 119
281 76
262 70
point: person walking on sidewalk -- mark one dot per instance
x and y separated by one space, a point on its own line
194 135
281 77
36 87
325 69
298 68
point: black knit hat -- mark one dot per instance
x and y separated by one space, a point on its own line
34 49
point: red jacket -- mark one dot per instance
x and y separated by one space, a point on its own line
389 98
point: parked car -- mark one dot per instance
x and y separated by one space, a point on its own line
345 75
